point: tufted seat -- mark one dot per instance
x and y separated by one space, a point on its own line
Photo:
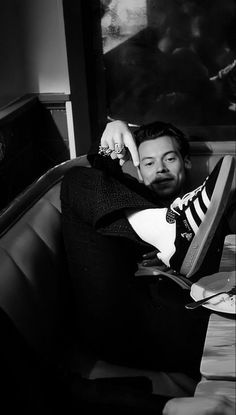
33 266
34 294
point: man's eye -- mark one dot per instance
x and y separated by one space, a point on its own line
150 163
170 159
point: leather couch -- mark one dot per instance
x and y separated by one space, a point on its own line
35 307
36 313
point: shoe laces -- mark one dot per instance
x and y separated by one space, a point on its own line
181 202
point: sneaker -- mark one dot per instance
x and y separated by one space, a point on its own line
197 215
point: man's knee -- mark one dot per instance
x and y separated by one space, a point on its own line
80 177
78 190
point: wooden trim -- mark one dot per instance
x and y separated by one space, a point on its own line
19 105
16 107
54 101
53 98
86 71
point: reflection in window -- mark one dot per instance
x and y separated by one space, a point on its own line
173 60
122 20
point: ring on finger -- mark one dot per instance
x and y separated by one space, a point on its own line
119 148
104 151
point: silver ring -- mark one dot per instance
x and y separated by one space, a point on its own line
104 151
119 148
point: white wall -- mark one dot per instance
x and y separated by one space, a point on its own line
44 40
32 48
12 79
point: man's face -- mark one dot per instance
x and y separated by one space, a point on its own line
162 167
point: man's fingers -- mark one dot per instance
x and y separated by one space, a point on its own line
117 142
119 148
113 133
103 140
113 155
131 145
122 162
117 137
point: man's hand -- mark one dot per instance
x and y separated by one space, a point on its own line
118 138
212 405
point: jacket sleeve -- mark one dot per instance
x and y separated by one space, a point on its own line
109 166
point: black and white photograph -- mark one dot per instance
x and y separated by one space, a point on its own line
118 207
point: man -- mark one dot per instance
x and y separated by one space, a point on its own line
121 318
163 167
158 177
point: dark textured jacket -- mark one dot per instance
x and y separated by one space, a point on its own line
117 191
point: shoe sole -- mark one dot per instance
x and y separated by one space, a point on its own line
201 242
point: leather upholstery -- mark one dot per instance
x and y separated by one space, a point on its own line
33 269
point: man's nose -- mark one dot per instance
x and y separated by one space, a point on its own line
161 167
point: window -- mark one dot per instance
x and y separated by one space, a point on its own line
172 60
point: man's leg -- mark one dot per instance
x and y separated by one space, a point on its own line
101 269
121 318
101 287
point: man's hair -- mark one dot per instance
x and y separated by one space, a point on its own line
158 129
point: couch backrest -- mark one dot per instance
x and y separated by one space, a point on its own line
33 270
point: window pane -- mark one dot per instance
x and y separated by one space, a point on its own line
164 59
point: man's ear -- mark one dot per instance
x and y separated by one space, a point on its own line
187 163
139 174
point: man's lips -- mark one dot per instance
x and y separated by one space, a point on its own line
162 181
